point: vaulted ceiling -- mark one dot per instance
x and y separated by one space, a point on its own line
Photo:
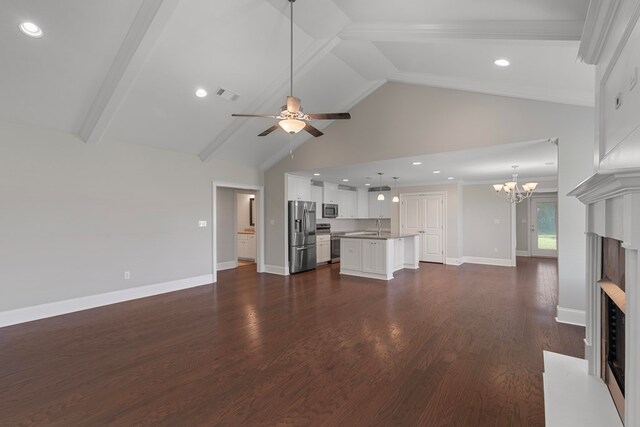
127 70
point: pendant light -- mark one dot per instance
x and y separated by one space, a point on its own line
380 195
396 199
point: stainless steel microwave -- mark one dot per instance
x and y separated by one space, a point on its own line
329 210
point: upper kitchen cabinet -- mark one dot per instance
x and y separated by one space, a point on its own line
343 203
330 193
363 203
380 208
298 188
316 196
352 204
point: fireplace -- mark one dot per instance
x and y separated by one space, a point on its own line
612 314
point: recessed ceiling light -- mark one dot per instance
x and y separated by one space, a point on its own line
201 93
416 163
367 184
451 177
501 62
436 171
345 180
32 30
316 174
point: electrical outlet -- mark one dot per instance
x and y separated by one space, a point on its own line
202 224
127 275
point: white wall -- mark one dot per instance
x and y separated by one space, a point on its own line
487 224
75 216
242 211
226 225
522 226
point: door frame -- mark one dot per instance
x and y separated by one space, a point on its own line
444 216
259 191
542 197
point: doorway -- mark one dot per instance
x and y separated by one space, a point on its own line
423 214
245 228
229 219
544 226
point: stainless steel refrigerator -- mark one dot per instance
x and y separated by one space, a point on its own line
302 236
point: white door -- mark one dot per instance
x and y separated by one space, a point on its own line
544 226
423 214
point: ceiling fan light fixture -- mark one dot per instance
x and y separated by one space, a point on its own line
292 125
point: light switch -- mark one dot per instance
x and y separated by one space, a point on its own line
272 222
202 224
496 221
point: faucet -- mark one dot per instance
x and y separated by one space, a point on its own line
378 226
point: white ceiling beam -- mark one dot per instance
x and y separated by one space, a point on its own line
364 91
145 30
493 30
596 28
561 96
308 60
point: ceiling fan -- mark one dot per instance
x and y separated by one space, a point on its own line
292 118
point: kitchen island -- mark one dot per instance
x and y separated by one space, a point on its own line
378 255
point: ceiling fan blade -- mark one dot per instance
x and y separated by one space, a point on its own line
254 115
293 104
313 131
268 131
330 116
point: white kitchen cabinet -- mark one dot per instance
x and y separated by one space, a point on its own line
343 203
363 203
316 196
247 246
330 194
298 188
351 254
380 208
323 248
374 256
352 204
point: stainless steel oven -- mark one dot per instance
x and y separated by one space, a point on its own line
329 210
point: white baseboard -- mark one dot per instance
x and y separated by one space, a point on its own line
28 314
501 262
571 316
276 269
454 261
523 253
227 265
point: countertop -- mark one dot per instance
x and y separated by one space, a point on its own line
375 236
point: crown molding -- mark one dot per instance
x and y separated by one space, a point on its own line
148 24
607 185
559 96
596 29
495 30
365 91
305 63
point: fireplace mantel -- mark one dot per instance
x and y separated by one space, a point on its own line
613 211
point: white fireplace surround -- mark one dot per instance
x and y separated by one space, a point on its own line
613 210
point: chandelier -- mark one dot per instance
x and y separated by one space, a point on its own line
512 191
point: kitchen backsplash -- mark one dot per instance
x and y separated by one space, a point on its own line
355 224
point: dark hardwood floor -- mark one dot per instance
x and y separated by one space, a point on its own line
441 346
